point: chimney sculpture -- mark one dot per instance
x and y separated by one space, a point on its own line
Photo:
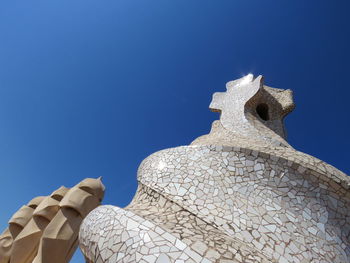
238 194
46 230
16 224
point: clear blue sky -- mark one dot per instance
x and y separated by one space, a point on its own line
90 88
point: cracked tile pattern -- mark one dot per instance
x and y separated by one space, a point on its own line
123 236
282 208
196 233
238 194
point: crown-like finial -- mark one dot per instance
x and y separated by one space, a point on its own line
250 109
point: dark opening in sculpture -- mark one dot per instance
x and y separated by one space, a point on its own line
263 111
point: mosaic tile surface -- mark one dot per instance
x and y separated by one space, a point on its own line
239 194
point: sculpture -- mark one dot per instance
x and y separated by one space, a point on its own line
25 245
16 225
46 230
60 238
238 194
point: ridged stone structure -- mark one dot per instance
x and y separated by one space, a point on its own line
46 229
238 194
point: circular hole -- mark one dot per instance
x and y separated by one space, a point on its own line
263 111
